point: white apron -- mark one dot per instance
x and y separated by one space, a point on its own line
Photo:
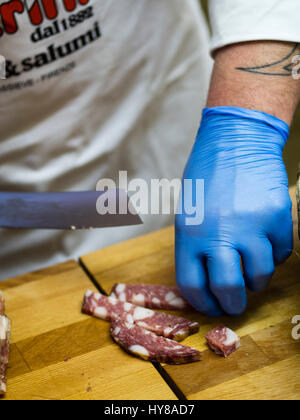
95 87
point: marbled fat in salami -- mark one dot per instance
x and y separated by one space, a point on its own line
223 341
109 309
149 346
4 350
151 296
103 307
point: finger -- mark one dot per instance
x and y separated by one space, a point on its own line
226 280
258 264
192 281
282 239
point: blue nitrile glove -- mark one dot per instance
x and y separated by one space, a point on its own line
247 210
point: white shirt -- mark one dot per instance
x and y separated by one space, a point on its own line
241 20
106 86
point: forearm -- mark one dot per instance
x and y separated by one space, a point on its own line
244 77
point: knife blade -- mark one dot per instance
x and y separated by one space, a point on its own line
67 210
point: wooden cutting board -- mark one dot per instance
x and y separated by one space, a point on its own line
59 353
268 364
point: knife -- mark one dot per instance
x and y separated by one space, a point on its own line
67 210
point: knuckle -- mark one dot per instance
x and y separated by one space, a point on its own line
282 208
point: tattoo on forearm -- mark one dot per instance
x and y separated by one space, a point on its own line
283 67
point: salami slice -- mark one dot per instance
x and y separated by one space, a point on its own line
109 309
151 296
223 341
4 350
149 346
2 304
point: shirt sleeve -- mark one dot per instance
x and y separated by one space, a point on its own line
235 21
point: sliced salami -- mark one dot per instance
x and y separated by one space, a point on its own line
151 296
149 346
223 341
2 304
103 307
4 350
109 309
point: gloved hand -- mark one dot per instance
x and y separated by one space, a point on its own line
247 210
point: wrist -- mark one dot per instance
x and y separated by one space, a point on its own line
238 128
233 85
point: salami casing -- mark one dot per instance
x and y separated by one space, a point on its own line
149 346
223 341
4 350
110 309
151 296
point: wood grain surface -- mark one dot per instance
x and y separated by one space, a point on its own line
266 367
59 353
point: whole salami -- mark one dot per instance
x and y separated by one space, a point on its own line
151 296
4 350
223 341
110 309
149 346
